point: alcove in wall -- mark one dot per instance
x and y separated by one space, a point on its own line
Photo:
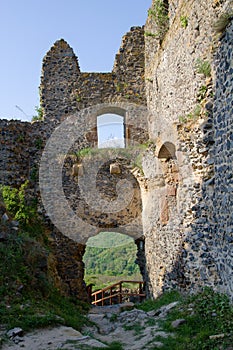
168 202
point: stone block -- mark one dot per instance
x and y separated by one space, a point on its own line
164 212
77 170
171 191
115 169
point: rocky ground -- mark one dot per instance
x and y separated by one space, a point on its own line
133 328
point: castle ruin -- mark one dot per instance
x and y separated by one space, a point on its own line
172 82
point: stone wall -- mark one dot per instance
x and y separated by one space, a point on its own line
184 199
68 94
223 160
186 223
65 90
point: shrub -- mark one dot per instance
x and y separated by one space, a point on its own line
184 21
202 92
203 67
159 13
16 203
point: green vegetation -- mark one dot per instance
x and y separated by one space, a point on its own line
78 98
20 138
149 34
118 87
38 143
39 115
117 261
164 299
16 203
27 297
133 153
184 21
191 116
138 163
136 327
31 309
104 266
98 152
203 67
121 86
85 152
202 93
34 172
206 314
159 13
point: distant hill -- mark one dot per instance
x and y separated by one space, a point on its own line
109 240
104 265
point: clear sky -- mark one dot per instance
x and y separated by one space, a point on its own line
28 28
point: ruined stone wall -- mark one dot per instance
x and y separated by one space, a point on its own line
182 235
21 146
223 159
186 190
65 90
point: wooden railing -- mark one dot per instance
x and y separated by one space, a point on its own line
117 293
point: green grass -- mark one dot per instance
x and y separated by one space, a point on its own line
29 313
27 297
127 152
206 313
194 115
164 299
136 327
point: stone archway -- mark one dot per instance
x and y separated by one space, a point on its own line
114 201
110 257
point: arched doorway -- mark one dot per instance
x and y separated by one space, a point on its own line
109 258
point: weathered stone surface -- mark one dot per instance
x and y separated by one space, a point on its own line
200 212
115 169
77 170
15 332
184 199
177 323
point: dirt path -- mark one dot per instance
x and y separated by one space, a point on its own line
133 328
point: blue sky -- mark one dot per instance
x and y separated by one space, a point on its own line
28 28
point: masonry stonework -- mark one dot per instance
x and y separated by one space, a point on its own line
183 199
188 235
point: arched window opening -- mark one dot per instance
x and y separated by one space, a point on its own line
111 131
109 258
167 151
